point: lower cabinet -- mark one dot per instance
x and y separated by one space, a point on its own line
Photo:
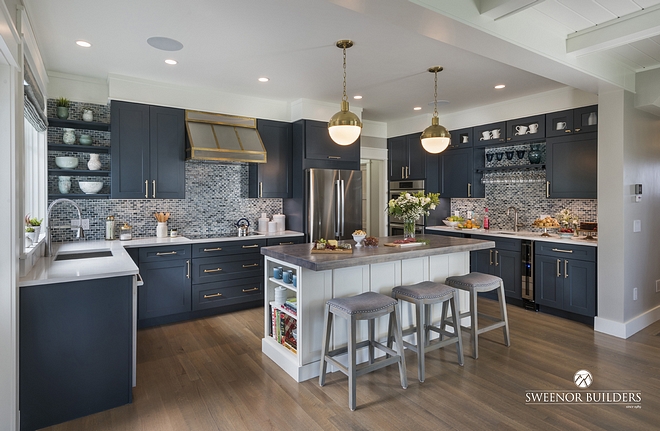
166 288
565 277
503 261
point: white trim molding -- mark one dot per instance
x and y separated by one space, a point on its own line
631 327
371 153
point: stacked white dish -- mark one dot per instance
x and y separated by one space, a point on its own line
66 162
90 187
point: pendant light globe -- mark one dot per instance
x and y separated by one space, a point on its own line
435 138
344 127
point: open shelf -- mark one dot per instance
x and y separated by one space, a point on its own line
511 168
284 310
78 148
79 196
283 284
78 172
78 124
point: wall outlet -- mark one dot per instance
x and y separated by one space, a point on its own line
85 224
635 294
637 225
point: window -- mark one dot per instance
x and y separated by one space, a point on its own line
36 172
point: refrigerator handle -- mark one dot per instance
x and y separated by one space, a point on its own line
343 202
337 207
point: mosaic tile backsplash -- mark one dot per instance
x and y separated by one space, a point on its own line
215 192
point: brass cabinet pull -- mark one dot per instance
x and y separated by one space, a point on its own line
286 243
212 270
469 190
403 172
153 192
496 257
569 130
334 157
261 189
251 265
491 257
562 251
565 269
166 253
188 267
251 246
558 262
407 171
146 189
250 290
213 295
213 249
577 129
547 189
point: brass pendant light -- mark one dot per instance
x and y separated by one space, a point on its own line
435 138
344 127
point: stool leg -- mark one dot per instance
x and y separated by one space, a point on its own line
443 317
473 328
372 337
427 324
505 328
326 344
457 328
421 342
352 376
398 336
390 334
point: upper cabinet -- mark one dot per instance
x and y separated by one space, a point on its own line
580 120
407 158
461 138
312 142
457 176
525 129
572 167
274 178
489 134
148 151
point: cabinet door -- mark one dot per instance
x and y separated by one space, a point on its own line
526 129
319 146
559 123
166 288
508 268
483 135
273 179
579 279
585 119
416 157
548 282
571 166
456 173
482 261
167 153
129 142
398 157
460 139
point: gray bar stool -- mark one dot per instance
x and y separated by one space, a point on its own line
423 295
474 283
365 306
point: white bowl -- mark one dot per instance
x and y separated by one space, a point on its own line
66 162
451 223
90 187
358 240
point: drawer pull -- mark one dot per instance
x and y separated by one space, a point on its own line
562 251
497 258
251 246
213 249
166 253
187 269
558 263
250 265
213 295
287 243
213 270
334 157
252 289
565 269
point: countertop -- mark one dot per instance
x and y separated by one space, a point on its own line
533 236
49 271
300 254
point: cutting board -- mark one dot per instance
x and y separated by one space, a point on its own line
404 245
335 251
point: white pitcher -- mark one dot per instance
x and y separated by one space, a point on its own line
88 115
94 163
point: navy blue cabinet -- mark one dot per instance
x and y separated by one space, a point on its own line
313 148
526 129
148 151
274 178
407 158
572 166
572 121
166 272
489 134
75 344
503 261
462 138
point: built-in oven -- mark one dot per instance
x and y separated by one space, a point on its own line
527 252
397 188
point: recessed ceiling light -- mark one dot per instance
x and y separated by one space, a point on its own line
358 97
417 108
264 79
500 86
170 61
83 43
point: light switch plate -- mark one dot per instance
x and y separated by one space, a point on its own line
637 225
638 198
635 294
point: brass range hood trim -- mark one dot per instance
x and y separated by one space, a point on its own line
231 147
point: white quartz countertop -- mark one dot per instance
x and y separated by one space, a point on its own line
533 236
47 270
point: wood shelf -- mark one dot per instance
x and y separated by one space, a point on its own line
79 196
78 124
78 172
78 148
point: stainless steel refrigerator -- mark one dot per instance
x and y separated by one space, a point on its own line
334 203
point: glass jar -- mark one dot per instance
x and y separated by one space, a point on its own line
125 232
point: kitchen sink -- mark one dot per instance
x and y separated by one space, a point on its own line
84 255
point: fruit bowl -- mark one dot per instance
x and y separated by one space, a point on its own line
565 234
358 239
90 187
451 223
66 162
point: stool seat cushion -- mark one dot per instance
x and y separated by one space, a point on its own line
367 302
476 281
424 290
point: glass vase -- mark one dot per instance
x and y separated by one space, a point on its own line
409 228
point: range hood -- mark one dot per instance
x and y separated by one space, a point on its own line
223 137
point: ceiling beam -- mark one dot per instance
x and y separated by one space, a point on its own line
617 32
498 9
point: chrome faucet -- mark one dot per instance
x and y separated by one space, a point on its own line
515 217
79 234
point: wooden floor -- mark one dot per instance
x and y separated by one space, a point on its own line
210 374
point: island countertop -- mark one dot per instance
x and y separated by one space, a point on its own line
301 255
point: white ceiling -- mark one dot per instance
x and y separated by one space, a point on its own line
229 44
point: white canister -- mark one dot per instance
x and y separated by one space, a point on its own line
272 226
280 295
280 220
161 229
263 223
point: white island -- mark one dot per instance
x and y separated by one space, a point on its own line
321 277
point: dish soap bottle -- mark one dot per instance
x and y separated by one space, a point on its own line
486 224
